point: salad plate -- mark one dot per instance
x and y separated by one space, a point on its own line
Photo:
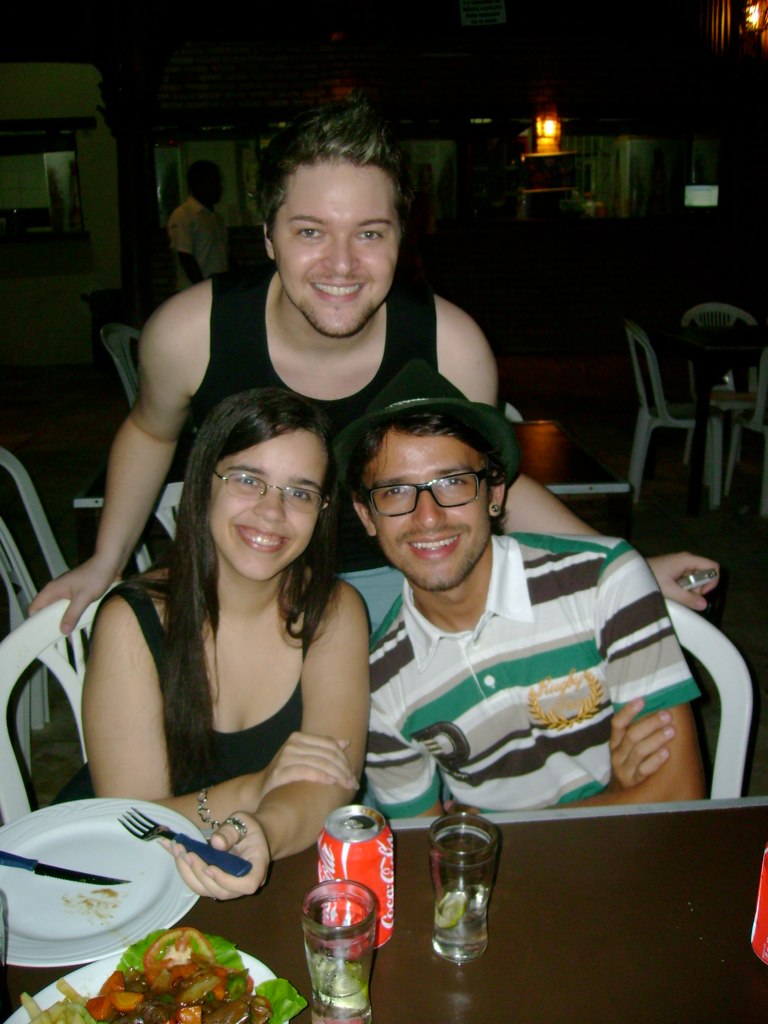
52 922
89 979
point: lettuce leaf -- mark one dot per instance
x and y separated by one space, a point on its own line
283 998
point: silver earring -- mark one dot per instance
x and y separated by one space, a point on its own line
494 509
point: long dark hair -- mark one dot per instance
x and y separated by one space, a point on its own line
191 589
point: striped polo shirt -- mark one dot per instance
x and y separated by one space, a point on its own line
516 713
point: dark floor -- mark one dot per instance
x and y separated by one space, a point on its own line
60 420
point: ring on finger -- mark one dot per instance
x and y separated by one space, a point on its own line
237 824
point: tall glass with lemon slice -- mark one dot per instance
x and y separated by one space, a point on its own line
463 855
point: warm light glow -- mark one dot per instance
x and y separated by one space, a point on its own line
548 131
756 15
547 127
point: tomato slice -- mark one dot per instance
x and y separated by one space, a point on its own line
174 947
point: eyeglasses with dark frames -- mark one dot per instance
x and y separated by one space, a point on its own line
447 492
246 485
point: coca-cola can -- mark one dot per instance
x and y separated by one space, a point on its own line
759 935
356 843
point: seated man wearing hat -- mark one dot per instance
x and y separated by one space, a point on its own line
514 672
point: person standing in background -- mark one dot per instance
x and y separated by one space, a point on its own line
197 234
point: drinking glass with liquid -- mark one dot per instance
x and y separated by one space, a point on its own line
463 854
339 922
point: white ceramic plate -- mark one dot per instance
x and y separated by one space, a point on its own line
89 979
53 922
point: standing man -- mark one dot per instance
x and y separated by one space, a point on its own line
328 323
197 234
513 669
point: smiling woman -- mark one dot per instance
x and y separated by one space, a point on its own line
213 683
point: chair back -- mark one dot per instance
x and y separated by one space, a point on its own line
166 511
18 583
49 547
118 340
730 675
645 366
38 641
716 314
761 398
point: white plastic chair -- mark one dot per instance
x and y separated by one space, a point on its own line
754 420
729 673
722 314
655 411
118 339
31 500
165 511
21 589
32 706
38 640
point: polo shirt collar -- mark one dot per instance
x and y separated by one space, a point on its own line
507 597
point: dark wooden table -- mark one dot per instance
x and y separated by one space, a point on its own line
550 455
599 916
712 351
555 458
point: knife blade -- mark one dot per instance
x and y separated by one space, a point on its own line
13 860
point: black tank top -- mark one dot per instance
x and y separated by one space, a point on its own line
236 753
239 360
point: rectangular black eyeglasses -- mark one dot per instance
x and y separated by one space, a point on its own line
447 491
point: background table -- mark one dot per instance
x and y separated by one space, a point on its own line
553 457
597 916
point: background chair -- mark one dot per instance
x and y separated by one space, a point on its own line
32 705
38 641
119 340
165 512
49 546
512 413
730 675
722 314
754 420
32 711
655 411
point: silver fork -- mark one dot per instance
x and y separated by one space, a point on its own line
143 827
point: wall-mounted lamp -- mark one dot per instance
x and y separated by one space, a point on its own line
548 132
755 15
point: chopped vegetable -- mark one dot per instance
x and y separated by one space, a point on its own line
178 976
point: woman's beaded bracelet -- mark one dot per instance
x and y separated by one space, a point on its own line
204 810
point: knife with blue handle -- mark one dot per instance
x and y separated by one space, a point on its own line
228 862
13 860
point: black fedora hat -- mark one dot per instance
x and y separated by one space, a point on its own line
419 388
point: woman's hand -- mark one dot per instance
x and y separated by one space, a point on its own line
638 745
669 568
207 880
307 758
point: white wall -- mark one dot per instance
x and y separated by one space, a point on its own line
42 317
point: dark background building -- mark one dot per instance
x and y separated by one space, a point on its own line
139 84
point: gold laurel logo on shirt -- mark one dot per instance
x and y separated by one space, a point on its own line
578 710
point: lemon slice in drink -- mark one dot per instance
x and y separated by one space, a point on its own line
450 910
